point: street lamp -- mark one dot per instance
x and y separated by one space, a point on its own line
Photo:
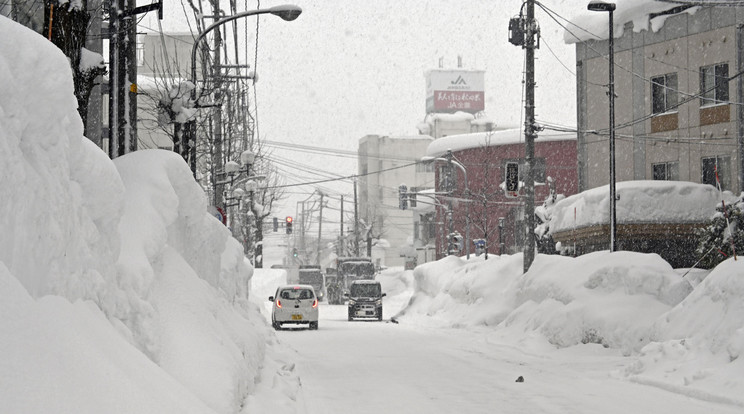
287 12
601 6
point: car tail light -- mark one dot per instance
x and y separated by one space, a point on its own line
315 303
278 303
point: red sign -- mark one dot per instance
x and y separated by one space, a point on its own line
453 101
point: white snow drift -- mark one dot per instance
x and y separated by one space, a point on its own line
676 337
118 292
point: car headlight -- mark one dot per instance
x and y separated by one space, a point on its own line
352 302
378 302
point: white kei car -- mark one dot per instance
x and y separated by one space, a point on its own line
294 304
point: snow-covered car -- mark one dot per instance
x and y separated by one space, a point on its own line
294 304
365 299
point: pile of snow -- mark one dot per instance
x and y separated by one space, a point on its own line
644 201
700 342
118 292
675 336
589 25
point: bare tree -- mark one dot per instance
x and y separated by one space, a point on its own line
225 129
66 24
484 194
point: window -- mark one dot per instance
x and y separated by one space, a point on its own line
714 85
719 165
668 171
424 167
663 93
442 186
140 51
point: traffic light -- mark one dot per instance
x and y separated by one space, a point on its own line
294 251
276 224
402 197
288 224
512 179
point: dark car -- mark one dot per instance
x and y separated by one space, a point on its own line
365 300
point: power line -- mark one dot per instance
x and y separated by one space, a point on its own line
348 177
325 150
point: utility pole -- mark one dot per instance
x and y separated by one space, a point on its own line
129 143
340 248
116 105
123 74
530 134
302 229
217 157
320 227
356 222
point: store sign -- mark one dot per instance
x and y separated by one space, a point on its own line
455 90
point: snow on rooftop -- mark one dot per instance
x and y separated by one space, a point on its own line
455 117
587 25
487 139
645 201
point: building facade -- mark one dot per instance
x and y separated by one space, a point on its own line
678 100
162 62
480 207
386 163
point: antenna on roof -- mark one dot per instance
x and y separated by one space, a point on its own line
459 61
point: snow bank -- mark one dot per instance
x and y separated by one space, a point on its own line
644 201
678 338
700 343
60 197
596 298
119 292
60 357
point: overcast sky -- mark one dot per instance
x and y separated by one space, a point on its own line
345 69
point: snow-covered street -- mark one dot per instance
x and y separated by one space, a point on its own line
383 367
372 367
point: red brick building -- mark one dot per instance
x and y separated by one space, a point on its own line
482 204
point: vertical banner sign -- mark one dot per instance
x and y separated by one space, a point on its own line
511 180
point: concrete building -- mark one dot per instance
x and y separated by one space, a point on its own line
439 125
677 91
386 162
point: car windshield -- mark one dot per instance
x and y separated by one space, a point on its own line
296 294
365 290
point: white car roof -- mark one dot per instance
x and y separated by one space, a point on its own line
365 282
291 287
